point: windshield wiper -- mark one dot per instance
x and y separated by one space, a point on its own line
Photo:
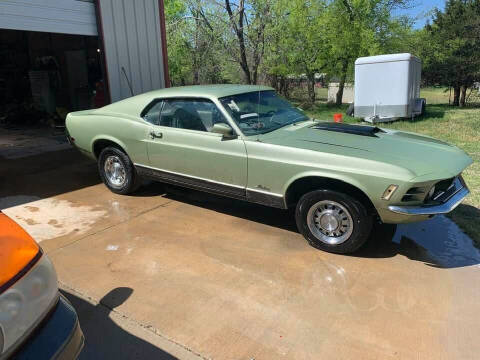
294 121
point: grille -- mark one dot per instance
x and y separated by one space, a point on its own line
443 191
414 194
446 189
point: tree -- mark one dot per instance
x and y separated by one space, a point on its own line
297 40
194 53
249 30
238 27
450 47
179 48
359 28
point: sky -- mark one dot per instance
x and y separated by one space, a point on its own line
420 10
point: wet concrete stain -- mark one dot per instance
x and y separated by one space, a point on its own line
50 218
28 221
55 223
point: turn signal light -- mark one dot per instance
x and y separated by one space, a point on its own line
389 192
18 251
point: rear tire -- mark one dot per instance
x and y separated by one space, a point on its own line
333 221
117 171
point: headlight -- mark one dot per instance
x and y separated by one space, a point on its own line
28 284
27 301
431 193
10 306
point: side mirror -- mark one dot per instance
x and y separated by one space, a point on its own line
224 129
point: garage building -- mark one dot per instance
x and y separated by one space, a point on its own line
58 56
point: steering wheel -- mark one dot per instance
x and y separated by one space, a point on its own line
272 114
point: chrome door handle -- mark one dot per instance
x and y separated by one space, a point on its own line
154 134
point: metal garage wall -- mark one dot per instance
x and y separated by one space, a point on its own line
57 16
132 37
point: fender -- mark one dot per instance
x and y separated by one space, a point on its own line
109 138
326 175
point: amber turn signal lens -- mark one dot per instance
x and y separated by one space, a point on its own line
17 249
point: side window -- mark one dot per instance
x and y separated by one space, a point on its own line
153 114
191 114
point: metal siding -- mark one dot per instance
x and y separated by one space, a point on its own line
154 39
159 42
110 48
143 45
57 16
132 39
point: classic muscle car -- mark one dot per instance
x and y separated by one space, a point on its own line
248 143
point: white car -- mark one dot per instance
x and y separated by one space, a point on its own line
36 321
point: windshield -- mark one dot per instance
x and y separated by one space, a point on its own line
261 112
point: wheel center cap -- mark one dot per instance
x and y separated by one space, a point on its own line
328 222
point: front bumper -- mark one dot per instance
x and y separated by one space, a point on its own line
59 336
458 193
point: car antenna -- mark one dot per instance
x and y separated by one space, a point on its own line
128 81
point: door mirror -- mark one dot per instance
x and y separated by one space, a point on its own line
224 129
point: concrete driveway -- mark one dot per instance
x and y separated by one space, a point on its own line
173 273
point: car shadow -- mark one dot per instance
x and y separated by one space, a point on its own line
438 242
242 209
104 339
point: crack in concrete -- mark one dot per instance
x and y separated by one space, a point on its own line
111 226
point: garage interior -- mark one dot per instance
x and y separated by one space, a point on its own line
43 76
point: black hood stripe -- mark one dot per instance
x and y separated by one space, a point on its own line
348 129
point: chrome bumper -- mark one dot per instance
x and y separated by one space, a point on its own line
460 192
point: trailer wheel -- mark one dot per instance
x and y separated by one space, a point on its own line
350 109
424 105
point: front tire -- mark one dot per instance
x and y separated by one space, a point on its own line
333 221
117 171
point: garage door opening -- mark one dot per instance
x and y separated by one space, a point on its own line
43 76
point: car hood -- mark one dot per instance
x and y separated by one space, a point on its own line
422 155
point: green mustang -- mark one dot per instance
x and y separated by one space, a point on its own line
247 143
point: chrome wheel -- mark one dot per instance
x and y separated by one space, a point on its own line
115 170
330 222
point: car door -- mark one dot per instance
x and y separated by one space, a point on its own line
182 148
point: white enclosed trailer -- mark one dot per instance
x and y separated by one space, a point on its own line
387 87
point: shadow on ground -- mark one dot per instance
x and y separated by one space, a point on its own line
438 242
36 177
254 212
104 339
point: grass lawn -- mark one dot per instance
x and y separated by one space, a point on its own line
456 126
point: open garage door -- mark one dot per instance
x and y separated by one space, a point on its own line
50 64
53 16
133 34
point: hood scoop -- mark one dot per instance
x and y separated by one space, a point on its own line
349 129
